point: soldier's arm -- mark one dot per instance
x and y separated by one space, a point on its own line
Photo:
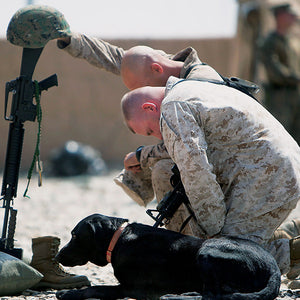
189 154
96 51
150 154
145 157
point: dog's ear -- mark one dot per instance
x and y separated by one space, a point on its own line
92 225
120 221
100 221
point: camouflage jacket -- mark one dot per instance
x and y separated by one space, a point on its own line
105 56
109 57
192 68
236 160
96 51
281 62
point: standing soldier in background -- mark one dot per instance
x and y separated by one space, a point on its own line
253 22
282 65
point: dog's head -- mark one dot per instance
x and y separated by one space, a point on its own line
90 241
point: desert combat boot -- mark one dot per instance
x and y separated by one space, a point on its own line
44 250
287 230
295 258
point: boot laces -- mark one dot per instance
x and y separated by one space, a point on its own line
57 266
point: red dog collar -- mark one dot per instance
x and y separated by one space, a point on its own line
114 241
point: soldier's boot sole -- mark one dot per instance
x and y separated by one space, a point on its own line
62 285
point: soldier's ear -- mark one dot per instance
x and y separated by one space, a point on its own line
150 106
157 68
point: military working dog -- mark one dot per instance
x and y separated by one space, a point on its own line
150 262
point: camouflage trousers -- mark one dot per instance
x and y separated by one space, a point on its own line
143 186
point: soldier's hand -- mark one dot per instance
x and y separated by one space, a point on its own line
63 42
65 39
131 163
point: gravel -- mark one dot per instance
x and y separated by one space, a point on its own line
57 206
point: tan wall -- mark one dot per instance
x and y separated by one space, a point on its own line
86 105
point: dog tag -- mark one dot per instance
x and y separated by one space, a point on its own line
39 170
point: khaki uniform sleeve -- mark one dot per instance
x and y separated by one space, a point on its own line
152 153
185 142
97 52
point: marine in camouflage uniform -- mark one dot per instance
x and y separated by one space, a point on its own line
155 161
155 158
282 94
238 164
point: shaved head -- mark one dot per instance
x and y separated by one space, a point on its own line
132 102
141 110
136 66
144 66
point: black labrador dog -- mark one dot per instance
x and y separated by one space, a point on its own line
150 262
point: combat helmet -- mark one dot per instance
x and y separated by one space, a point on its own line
34 25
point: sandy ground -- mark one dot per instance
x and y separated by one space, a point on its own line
57 206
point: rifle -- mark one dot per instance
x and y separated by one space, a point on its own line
22 109
170 203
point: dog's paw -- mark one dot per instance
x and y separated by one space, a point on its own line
69 295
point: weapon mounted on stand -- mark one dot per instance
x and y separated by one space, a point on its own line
22 109
31 28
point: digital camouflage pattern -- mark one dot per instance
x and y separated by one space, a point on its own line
106 56
192 68
137 186
95 51
236 161
34 25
